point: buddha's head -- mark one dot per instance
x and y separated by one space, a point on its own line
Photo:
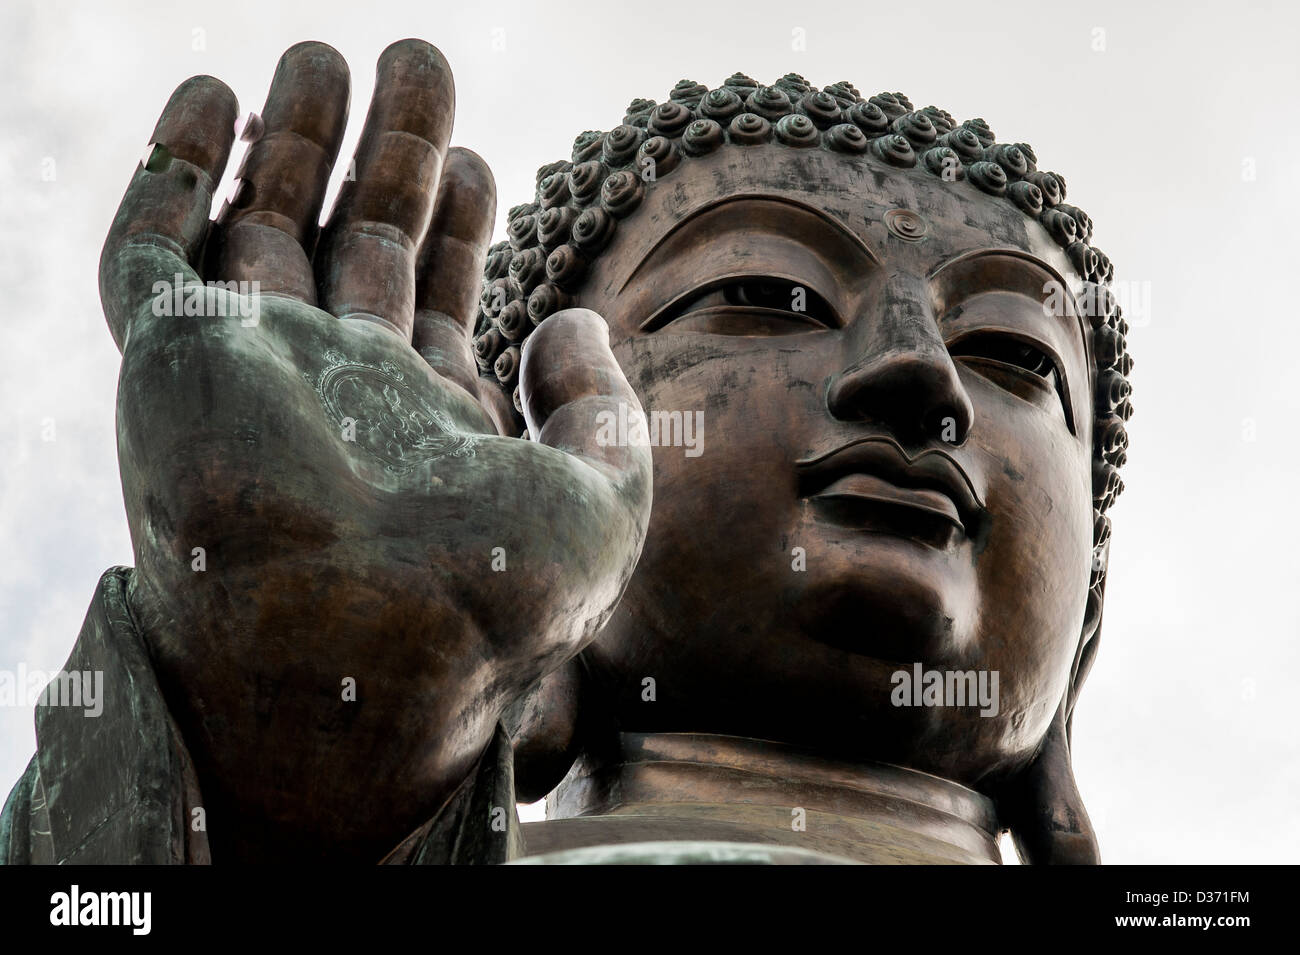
886 381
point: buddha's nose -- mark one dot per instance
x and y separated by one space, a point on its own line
901 375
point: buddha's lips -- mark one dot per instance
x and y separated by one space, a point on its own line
878 469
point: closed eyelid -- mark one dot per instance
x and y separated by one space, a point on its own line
760 218
678 305
1003 312
1002 270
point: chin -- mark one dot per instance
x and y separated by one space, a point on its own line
887 598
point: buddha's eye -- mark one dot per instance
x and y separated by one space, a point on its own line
754 306
1011 362
1007 350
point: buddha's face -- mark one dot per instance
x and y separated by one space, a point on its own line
894 464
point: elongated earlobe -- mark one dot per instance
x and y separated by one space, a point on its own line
1042 805
543 726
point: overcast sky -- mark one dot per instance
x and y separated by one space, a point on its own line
1174 125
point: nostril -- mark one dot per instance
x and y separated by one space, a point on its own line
916 395
840 396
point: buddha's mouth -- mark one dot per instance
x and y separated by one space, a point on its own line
869 503
872 485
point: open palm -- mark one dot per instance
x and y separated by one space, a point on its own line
316 484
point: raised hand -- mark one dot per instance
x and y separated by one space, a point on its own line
344 573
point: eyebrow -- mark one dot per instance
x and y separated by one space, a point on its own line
840 228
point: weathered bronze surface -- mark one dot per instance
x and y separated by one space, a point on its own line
364 616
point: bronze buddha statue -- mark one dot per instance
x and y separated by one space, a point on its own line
802 558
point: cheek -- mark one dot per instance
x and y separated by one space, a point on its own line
1034 569
736 489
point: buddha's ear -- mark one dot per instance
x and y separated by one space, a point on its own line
543 726
1086 651
1049 824
1042 805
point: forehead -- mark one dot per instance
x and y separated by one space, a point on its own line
855 192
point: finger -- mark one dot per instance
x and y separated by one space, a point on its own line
575 396
449 272
160 226
268 227
367 266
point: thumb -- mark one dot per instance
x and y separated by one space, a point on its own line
574 395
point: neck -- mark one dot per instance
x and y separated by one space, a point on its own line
702 788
